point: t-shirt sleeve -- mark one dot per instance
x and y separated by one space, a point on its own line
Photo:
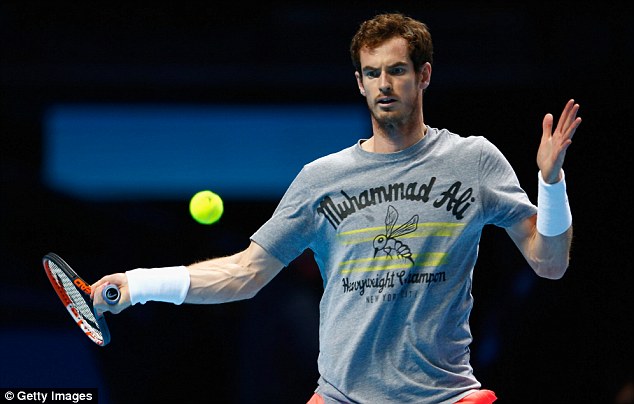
290 229
504 201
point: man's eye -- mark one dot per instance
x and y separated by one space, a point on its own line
372 74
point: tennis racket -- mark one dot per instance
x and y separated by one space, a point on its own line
75 295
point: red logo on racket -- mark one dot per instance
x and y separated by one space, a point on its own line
82 285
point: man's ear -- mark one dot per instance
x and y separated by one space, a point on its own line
425 76
359 83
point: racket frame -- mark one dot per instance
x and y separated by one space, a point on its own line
84 289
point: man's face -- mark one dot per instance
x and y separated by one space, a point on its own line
393 90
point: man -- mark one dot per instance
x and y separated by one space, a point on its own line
394 224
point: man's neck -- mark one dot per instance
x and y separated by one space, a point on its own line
393 139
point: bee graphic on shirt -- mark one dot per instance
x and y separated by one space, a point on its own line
388 243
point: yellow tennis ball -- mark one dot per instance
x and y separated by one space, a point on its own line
206 207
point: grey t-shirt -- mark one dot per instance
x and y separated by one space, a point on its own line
396 239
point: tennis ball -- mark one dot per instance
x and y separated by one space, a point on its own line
206 207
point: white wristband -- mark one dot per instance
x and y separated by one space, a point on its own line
168 284
553 210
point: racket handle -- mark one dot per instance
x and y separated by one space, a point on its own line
111 294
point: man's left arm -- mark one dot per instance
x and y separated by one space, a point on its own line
545 239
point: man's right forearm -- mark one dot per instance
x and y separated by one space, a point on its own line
236 277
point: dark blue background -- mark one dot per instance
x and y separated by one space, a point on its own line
498 69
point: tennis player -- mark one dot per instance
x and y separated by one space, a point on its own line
394 223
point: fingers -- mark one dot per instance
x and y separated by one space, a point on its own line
114 278
565 114
100 305
568 122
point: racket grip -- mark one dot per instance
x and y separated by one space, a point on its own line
111 294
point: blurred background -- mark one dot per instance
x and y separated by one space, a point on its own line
113 115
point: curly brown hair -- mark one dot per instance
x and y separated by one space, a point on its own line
382 27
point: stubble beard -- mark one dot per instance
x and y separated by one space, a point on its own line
390 120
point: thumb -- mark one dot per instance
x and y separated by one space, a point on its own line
547 127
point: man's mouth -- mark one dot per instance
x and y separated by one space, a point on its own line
386 101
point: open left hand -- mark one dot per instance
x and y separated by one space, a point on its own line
553 146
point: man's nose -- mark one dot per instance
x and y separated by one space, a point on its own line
385 86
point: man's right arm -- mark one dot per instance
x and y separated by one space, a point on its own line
218 280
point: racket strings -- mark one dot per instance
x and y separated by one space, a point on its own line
83 310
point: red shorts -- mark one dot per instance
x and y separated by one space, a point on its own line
316 399
477 397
